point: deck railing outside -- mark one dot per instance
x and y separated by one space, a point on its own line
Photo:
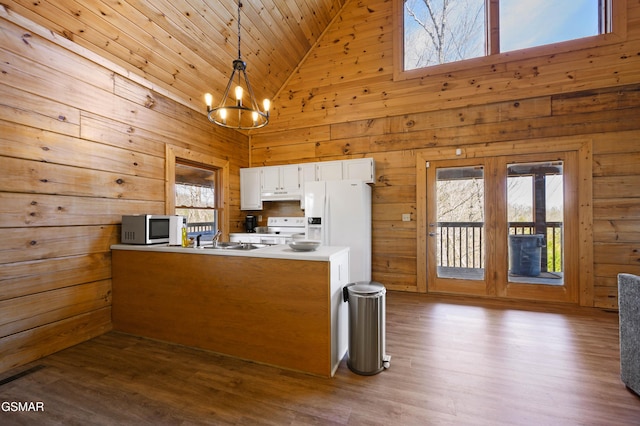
206 229
461 244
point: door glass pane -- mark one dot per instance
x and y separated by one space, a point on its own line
460 222
535 201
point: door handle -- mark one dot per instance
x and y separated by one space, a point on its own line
432 234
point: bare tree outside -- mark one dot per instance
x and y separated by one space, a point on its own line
441 31
460 215
196 203
195 198
460 212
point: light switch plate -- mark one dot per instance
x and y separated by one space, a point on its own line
406 217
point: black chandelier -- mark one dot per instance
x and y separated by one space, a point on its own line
233 113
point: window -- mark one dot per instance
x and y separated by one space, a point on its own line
443 31
196 198
561 20
197 187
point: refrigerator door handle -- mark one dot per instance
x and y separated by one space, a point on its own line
326 222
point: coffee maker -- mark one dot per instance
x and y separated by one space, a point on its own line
250 223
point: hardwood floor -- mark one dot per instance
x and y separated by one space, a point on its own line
455 361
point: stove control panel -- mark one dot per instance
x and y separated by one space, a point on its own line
286 221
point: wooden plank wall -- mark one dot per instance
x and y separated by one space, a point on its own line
79 147
343 103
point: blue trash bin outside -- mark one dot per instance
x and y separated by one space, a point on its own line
524 254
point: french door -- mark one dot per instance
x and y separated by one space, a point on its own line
503 226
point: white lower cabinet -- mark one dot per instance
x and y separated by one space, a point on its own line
339 310
244 238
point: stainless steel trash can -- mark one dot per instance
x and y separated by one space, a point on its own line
366 351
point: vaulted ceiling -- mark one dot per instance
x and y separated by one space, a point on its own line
187 46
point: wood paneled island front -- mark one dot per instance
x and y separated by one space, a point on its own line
269 305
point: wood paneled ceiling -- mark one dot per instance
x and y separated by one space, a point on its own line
187 46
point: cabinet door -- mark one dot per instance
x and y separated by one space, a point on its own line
290 177
307 174
339 309
243 238
270 178
273 240
250 188
362 169
329 170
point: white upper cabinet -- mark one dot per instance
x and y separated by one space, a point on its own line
360 168
290 179
250 180
329 170
281 182
270 179
308 172
363 169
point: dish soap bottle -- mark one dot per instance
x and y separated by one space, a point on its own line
185 240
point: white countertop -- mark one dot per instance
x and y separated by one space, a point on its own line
280 251
258 234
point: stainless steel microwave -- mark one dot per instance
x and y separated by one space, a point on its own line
145 229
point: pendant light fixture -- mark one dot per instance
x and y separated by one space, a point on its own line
234 113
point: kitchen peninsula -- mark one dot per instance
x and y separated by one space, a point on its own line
270 305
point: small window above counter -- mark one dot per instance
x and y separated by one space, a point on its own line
286 182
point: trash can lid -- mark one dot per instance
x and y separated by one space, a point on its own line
366 288
526 236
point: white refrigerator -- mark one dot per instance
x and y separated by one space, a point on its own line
338 213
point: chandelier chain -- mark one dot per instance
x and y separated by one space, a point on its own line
236 114
239 6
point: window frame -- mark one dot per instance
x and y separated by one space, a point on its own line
617 34
172 153
215 174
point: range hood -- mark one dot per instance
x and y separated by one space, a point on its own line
281 195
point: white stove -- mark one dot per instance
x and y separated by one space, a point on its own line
280 230
285 225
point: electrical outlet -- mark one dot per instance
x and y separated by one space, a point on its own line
406 217
259 218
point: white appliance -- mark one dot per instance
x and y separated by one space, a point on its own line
280 230
338 213
145 229
287 227
176 223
